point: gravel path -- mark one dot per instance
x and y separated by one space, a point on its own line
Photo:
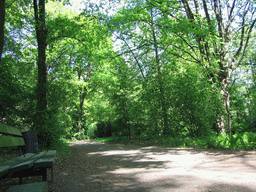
110 167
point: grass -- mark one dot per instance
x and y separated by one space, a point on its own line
62 148
236 141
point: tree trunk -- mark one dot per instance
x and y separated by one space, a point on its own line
160 82
224 121
83 94
126 116
2 21
41 34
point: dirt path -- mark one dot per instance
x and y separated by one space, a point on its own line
110 167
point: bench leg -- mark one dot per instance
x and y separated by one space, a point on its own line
20 180
51 174
44 174
51 181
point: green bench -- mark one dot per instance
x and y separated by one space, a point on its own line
29 164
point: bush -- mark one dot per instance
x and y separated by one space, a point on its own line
223 141
92 128
50 133
104 129
100 130
249 140
237 141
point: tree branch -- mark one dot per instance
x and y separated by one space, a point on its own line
118 55
232 9
219 18
191 47
246 45
134 56
195 60
36 14
230 18
188 10
196 6
241 40
10 4
206 13
178 55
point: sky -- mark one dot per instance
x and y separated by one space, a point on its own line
79 5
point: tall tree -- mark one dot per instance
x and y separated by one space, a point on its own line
214 27
79 38
213 34
41 36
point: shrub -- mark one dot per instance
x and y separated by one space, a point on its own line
104 129
249 140
223 141
91 130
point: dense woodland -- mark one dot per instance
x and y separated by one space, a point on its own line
175 70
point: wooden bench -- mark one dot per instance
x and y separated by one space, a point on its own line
29 164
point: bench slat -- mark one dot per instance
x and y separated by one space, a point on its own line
27 161
5 167
8 141
20 163
4 170
46 160
9 130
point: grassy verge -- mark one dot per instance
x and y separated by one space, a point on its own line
62 148
236 141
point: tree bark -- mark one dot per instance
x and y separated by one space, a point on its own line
82 96
2 21
41 34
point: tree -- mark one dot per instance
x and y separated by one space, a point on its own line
41 36
213 34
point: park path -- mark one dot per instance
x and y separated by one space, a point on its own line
94 166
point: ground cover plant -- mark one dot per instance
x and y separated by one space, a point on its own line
245 141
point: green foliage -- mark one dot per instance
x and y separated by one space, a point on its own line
236 141
10 88
8 153
62 147
92 128
223 140
100 129
161 88
104 129
51 132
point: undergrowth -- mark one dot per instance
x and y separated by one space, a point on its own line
235 141
62 148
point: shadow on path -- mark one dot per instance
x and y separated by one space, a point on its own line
111 167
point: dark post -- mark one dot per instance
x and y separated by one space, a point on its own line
31 141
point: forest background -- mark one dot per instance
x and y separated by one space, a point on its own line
177 73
